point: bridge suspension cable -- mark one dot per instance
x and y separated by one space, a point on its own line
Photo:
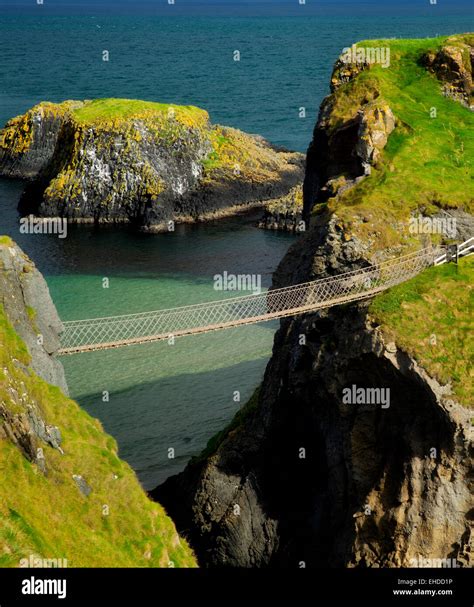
146 327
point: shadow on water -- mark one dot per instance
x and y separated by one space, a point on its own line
181 412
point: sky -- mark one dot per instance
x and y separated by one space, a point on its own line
240 7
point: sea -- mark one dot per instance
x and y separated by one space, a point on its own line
158 397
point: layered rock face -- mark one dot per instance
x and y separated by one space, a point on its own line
139 162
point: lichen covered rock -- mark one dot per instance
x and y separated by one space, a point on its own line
285 213
144 163
453 65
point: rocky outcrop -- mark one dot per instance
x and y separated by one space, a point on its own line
453 65
25 297
308 479
285 214
137 162
343 151
305 477
376 123
28 142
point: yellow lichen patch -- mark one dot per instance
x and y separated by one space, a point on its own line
237 155
17 134
65 186
152 186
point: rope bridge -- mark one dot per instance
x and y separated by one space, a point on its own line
117 331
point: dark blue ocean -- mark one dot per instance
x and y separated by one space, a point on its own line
162 397
285 62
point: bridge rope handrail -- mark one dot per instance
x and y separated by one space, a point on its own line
116 331
205 304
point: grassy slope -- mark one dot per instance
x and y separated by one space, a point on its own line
427 162
47 516
439 302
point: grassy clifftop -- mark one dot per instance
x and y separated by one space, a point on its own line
44 513
427 163
430 317
108 111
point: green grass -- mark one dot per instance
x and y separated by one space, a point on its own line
430 317
427 163
107 110
45 515
214 159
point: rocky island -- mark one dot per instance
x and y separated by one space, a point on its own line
301 478
137 162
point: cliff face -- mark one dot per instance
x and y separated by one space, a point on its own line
66 499
138 162
25 298
305 477
308 478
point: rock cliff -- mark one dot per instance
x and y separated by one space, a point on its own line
26 300
302 477
143 163
66 499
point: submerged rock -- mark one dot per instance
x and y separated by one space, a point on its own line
139 162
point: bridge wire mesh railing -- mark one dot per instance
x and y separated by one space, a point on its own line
117 331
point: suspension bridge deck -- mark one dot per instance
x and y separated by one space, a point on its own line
147 327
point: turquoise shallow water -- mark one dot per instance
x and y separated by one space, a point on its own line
160 396
177 396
